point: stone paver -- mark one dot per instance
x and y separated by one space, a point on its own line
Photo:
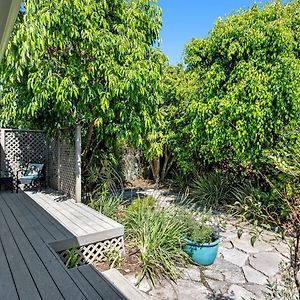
190 290
254 276
244 244
192 273
259 290
266 262
282 248
238 293
216 286
213 274
235 256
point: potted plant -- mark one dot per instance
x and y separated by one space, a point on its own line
201 240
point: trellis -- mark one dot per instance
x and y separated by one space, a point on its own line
18 147
95 252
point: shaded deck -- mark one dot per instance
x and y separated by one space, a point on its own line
29 266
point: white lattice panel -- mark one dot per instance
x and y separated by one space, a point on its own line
67 163
19 147
52 168
95 252
22 147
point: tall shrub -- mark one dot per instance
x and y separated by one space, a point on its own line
247 84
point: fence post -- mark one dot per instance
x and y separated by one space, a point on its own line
78 163
58 162
2 149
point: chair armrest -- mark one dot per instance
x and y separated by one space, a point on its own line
19 171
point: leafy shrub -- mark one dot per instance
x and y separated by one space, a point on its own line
198 225
254 205
106 205
210 190
241 99
157 233
286 288
100 175
137 204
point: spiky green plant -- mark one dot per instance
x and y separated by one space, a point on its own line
210 190
73 258
157 234
106 205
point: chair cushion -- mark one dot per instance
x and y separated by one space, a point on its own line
34 169
28 179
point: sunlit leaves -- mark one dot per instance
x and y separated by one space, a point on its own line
248 83
88 61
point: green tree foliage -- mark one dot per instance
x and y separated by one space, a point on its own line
84 61
161 147
247 83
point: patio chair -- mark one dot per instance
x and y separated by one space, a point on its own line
33 174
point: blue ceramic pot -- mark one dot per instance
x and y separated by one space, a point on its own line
202 254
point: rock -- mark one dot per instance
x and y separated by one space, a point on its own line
213 274
231 272
244 244
253 276
235 256
282 248
239 293
218 287
226 244
259 290
267 262
192 273
190 290
145 286
164 291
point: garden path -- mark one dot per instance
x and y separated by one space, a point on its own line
240 271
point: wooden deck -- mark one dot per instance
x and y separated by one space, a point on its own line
65 224
29 267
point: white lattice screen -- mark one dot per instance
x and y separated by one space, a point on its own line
95 252
19 147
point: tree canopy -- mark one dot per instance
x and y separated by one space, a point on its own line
247 83
84 61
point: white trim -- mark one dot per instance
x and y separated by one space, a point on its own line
8 13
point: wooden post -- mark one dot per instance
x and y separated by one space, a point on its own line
58 162
78 163
2 149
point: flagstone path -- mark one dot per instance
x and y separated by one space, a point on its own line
241 271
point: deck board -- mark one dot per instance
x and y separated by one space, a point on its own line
29 266
82 221
40 276
54 267
40 217
100 283
24 283
7 284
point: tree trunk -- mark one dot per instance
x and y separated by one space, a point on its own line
167 164
155 168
